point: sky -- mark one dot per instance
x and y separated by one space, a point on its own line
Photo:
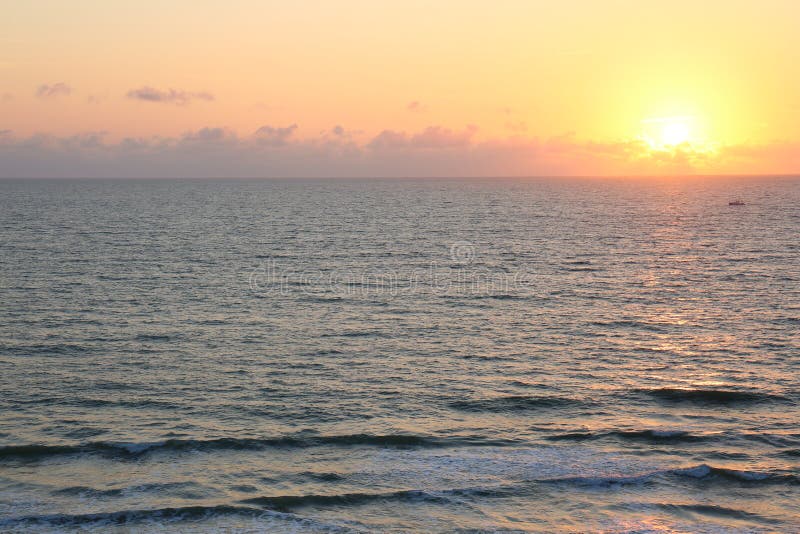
252 88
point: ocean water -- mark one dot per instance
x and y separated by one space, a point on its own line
400 356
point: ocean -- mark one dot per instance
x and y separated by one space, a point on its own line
579 355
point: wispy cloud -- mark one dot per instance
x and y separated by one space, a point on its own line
416 107
169 96
53 90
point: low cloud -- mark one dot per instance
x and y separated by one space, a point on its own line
272 136
53 90
439 137
435 151
432 137
339 134
208 135
169 96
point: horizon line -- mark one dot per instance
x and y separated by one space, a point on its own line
384 177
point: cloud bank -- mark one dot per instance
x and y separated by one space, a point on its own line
435 151
169 96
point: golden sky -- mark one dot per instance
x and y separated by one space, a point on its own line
573 87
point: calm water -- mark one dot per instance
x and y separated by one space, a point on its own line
383 356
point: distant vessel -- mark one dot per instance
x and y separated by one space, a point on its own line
736 203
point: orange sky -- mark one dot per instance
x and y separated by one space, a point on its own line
711 85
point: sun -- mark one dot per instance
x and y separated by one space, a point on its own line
674 133
668 132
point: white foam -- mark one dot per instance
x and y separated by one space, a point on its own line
698 471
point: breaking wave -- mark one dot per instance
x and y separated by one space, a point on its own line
134 450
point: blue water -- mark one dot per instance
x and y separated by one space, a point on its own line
400 356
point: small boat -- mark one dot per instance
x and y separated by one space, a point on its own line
736 203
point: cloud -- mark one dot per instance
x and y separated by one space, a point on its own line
53 90
388 140
432 137
339 134
269 135
439 137
745 156
169 96
206 135
416 107
6 97
435 151
88 140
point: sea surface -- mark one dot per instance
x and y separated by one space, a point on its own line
580 355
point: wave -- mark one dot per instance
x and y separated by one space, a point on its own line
703 472
288 503
122 450
497 296
156 337
712 510
185 513
42 349
581 269
322 477
85 402
486 358
283 506
357 333
712 396
291 503
129 516
515 403
190 488
627 323
652 436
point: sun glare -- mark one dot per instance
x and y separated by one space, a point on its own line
667 132
674 133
